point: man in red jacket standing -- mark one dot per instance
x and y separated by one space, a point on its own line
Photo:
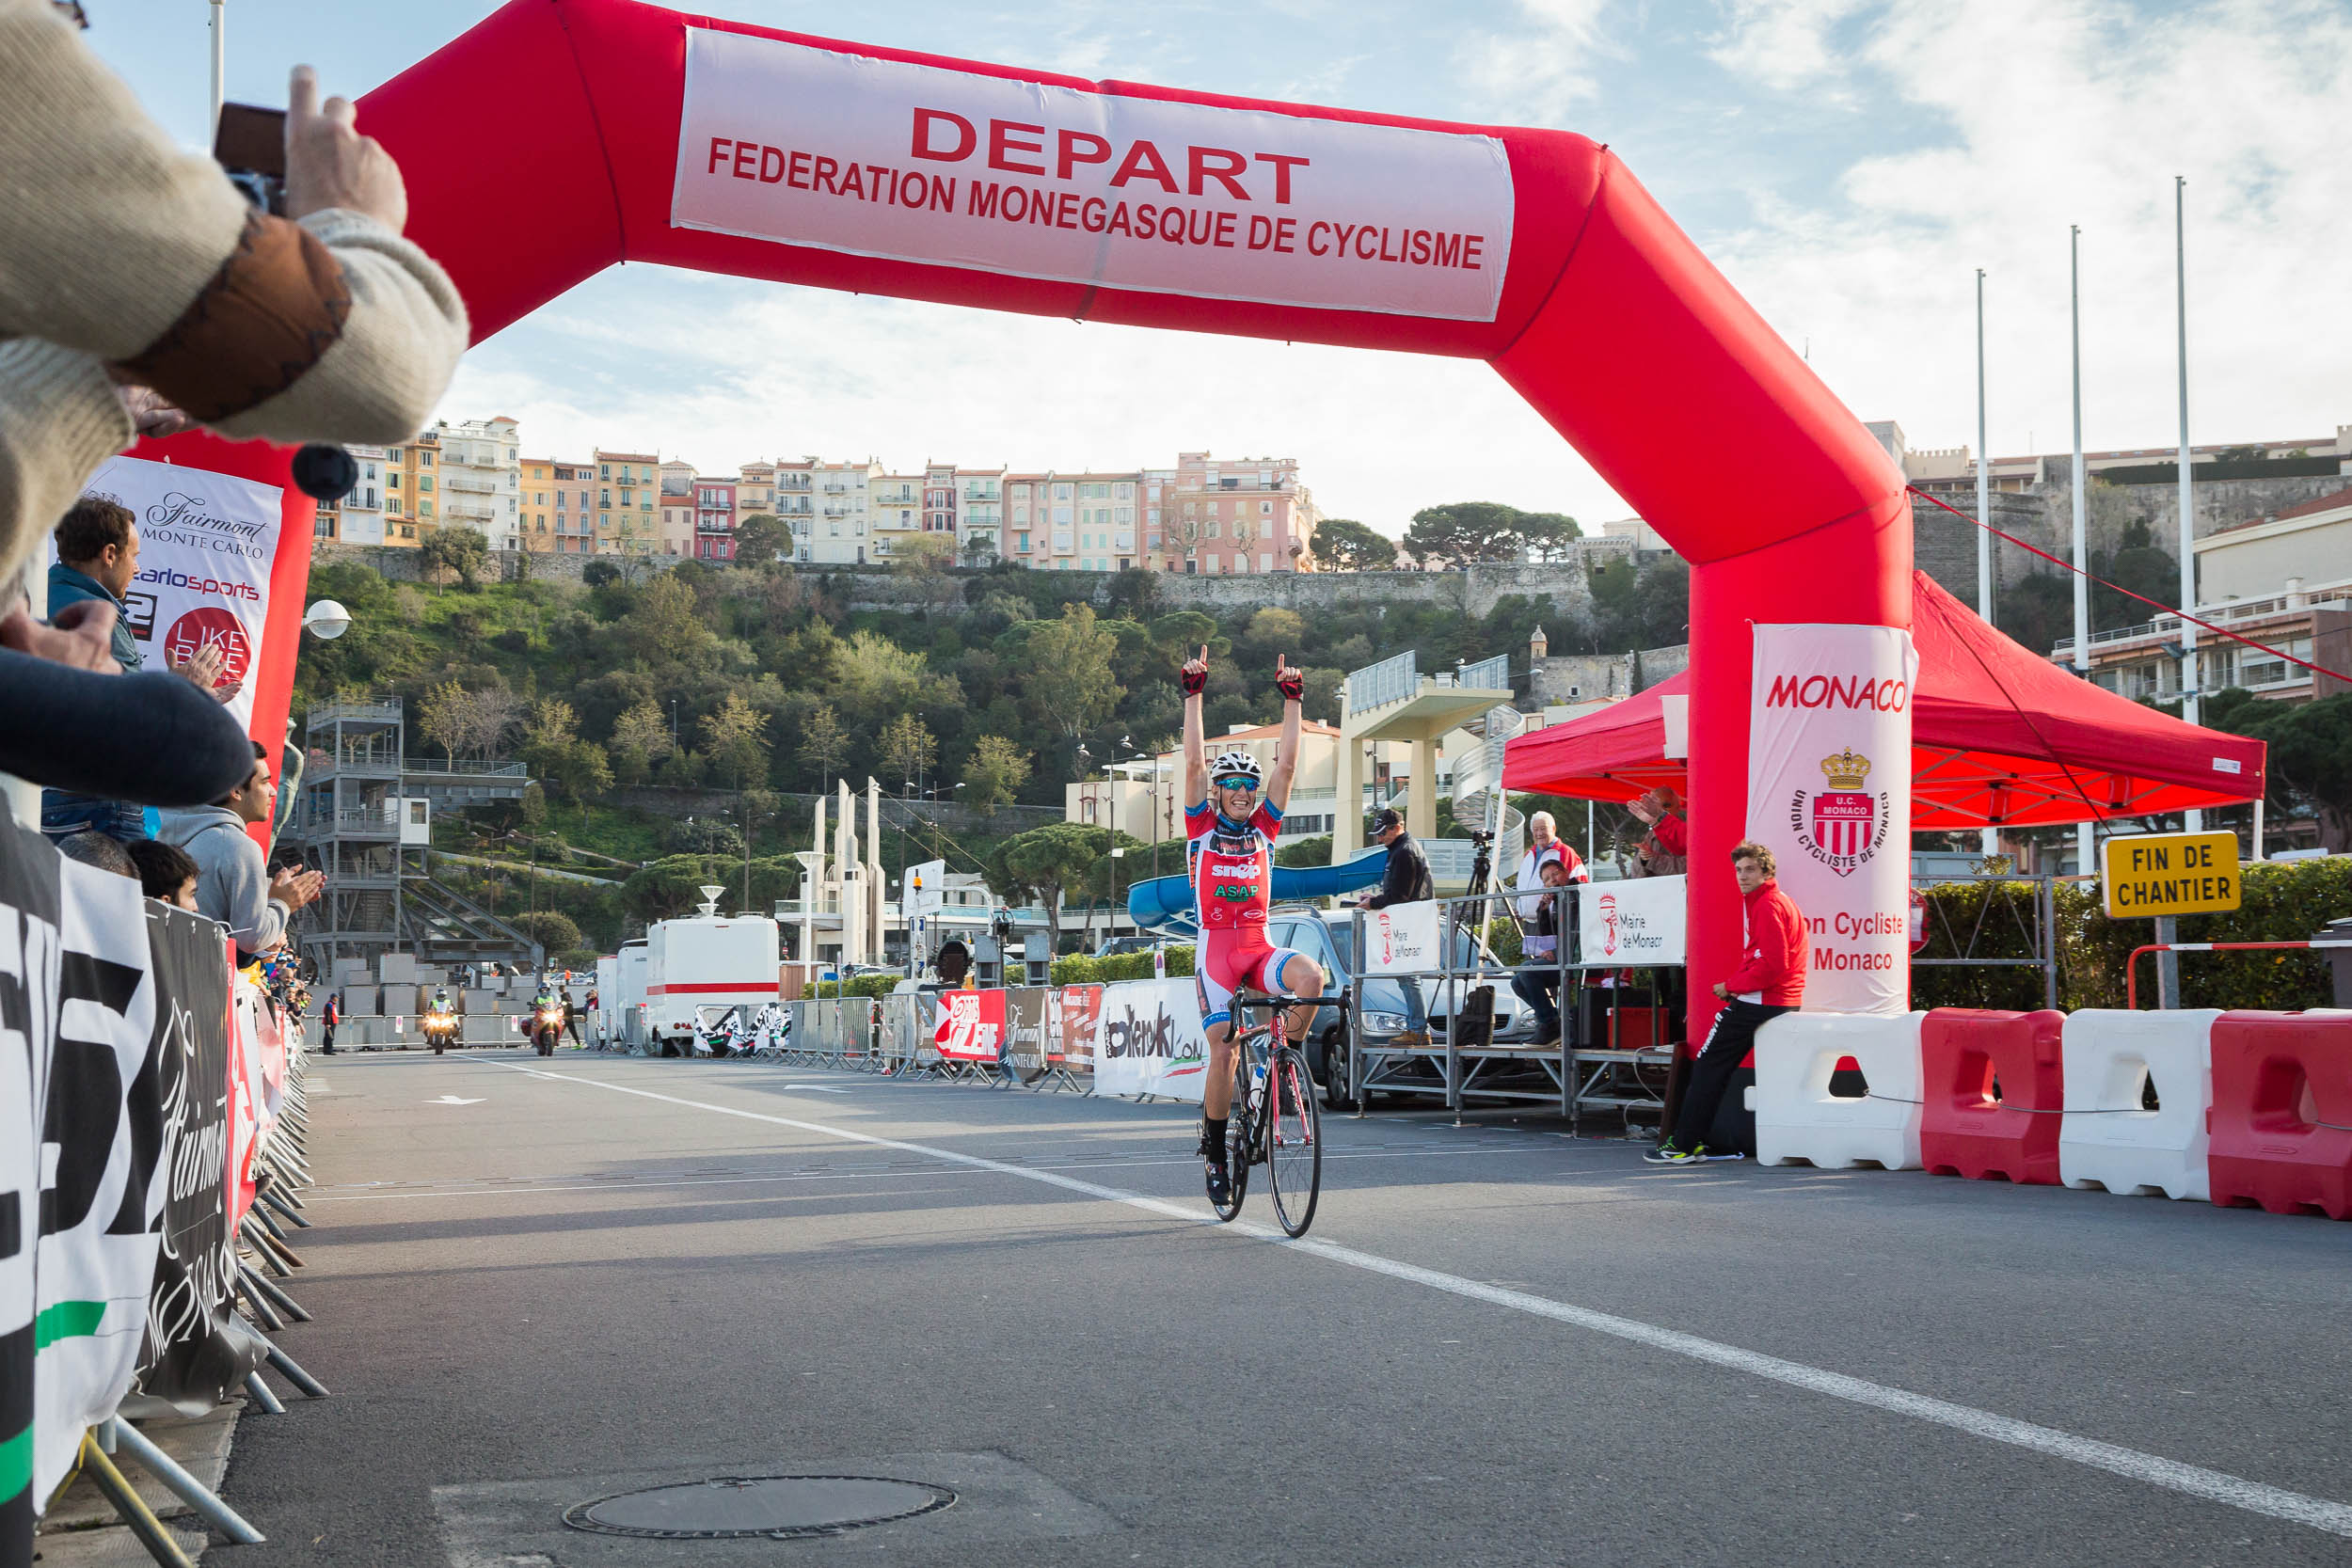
1770 981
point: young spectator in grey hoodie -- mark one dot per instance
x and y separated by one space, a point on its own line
232 884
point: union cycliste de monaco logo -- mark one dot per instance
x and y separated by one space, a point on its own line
1843 826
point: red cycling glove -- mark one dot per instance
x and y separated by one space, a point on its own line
1292 684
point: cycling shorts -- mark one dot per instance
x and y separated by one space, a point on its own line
1226 968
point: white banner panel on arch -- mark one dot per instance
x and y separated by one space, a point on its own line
206 545
1829 792
916 163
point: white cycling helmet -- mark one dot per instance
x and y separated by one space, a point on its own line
1229 764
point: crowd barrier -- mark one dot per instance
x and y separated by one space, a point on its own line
2237 1109
153 1130
1797 1117
2240 1108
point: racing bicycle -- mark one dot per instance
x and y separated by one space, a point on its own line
1275 1122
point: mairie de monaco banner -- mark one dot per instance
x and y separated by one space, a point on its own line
806 146
207 544
1829 792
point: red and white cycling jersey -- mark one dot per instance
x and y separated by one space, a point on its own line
1233 890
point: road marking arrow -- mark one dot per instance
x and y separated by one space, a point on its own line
452 1099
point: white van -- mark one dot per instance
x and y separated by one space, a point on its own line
706 966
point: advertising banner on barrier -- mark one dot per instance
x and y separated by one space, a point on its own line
192 1356
207 543
1638 921
1076 1019
810 146
1149 1039
1829 792
103 1198
971 1025
1027 1009
29 914
1402 940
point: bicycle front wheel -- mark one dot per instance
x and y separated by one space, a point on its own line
1294 1141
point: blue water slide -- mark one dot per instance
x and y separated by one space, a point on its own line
1165 903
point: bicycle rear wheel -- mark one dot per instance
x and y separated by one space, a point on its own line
1239 1132
1294 1141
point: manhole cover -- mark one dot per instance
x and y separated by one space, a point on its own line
778 1507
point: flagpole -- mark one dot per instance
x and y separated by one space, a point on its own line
220 62
2191 684
1991 844
2086 835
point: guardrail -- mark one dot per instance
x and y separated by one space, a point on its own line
1389 681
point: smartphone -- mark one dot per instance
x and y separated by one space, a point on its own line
250 144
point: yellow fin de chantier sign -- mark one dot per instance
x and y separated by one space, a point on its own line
2169 874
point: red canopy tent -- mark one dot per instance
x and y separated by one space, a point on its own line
2000 738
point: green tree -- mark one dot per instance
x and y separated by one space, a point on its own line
824 744
639 736
446 718
736 735
908 747
1069 679
1345 544
551 930
554 750
2310 758
994 774
1461 532
460 551
666 623
761 540
1044 863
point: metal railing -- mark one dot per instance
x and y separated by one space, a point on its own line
1492 673
1378 685
1480 1054
476 770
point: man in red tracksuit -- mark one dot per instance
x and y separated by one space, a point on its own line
1768 981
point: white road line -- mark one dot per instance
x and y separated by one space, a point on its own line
2254 1497
619 1185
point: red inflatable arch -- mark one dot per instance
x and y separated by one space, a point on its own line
1571 281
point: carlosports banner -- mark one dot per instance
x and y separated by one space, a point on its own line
806 146
1829 792
1638 921
1149 1039
207 543
1403 938
971 1026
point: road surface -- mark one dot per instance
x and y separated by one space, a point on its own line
542 1283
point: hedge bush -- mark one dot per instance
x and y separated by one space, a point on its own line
1083 969
2281 903
862 985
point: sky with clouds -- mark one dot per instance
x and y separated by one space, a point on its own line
1849 163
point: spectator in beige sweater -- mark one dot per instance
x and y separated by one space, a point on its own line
139 292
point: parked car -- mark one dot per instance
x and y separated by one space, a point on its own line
1116 945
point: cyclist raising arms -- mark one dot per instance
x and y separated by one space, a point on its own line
1231 835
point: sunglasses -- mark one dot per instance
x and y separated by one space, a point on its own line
1250 785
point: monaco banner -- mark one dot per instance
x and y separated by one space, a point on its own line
806 146
207 544
1403 940
1640 920
1829 792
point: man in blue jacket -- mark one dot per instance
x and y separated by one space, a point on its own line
98 560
